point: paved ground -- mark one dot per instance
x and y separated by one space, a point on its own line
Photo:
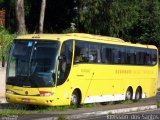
2 84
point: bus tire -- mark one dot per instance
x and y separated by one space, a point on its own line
129 94
138 94
75 98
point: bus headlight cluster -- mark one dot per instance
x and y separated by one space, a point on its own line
10 92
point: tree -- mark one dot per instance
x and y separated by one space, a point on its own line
135 21
148 26
42 14
123 15
21 27
93 17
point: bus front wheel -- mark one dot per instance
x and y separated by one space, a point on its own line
75 98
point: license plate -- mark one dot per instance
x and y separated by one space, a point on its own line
25 100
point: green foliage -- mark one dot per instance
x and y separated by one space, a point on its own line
148 26
27 7
92 16
5 41
61 117
71 29
158 104
2 1
131 20
123 15
135 21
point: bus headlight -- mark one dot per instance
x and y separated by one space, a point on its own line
10 92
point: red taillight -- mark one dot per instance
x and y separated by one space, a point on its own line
45 93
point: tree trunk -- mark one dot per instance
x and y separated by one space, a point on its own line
42 14
20 17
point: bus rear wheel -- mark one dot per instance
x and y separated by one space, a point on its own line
75 98
129 94
138 94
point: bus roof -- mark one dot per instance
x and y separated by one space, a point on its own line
82 36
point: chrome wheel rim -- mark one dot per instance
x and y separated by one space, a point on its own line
128 95
74 99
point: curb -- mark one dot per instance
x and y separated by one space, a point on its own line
99 113
2 100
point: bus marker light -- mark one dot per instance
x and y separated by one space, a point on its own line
25 100
45 93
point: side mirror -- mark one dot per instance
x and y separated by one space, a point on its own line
61 58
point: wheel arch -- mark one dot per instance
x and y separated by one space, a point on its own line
79 93
139 88
131 90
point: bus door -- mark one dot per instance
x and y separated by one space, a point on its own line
65 61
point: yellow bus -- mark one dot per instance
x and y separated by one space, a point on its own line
78 68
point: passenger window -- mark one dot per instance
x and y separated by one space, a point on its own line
115 55
154 57
107 54
81 52
122 55
131 56
148 58
94 53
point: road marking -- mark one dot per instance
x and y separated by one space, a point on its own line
142 111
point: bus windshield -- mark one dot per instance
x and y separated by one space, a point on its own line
32 63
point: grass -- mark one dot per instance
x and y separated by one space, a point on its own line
15 109
11 112
12 109
158 103
61 117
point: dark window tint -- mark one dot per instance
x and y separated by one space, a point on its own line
153 57
89 52
107 54
94 53
81 52
65 63
131 55
122 55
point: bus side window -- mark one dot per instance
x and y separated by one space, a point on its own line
148 58
122 55
94 53
107 56
154 57
81 54
116 57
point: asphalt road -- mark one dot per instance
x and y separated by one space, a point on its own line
140 115
144 115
